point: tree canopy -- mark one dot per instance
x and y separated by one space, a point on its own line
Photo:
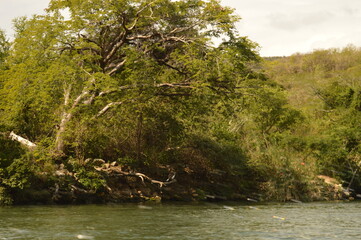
111 53
105 88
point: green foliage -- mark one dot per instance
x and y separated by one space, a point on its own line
337 95
333 139
5 198
10 151
270 111
90 179
4 48
139 82
20 173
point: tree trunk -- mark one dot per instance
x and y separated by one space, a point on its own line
139 136
59 140
22 140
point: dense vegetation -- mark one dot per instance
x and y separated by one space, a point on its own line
325 86
120 93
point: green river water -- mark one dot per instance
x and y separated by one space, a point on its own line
336 220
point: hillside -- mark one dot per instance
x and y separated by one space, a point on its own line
325 86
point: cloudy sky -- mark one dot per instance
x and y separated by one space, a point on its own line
280 27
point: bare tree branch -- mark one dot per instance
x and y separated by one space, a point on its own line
22 140
107 107
117 67
175 85
115 47
118 170
67 95
136 86
140 37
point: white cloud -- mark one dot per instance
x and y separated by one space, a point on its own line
298 21
284 27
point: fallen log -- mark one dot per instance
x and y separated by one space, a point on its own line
22 140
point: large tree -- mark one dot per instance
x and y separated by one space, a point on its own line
84 60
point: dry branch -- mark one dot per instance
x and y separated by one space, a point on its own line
22 140
108 168
106 108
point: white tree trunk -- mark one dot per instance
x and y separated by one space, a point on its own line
22 140
66 117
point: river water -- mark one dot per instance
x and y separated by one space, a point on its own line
336 220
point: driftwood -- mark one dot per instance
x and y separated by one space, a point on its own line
22 140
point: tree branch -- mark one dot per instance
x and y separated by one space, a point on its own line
134 86
67 95
140 37
22 140
118 43
117 67
118 170
107 107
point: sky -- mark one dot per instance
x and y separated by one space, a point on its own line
280 27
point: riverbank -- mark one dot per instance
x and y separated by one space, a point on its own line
100 182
